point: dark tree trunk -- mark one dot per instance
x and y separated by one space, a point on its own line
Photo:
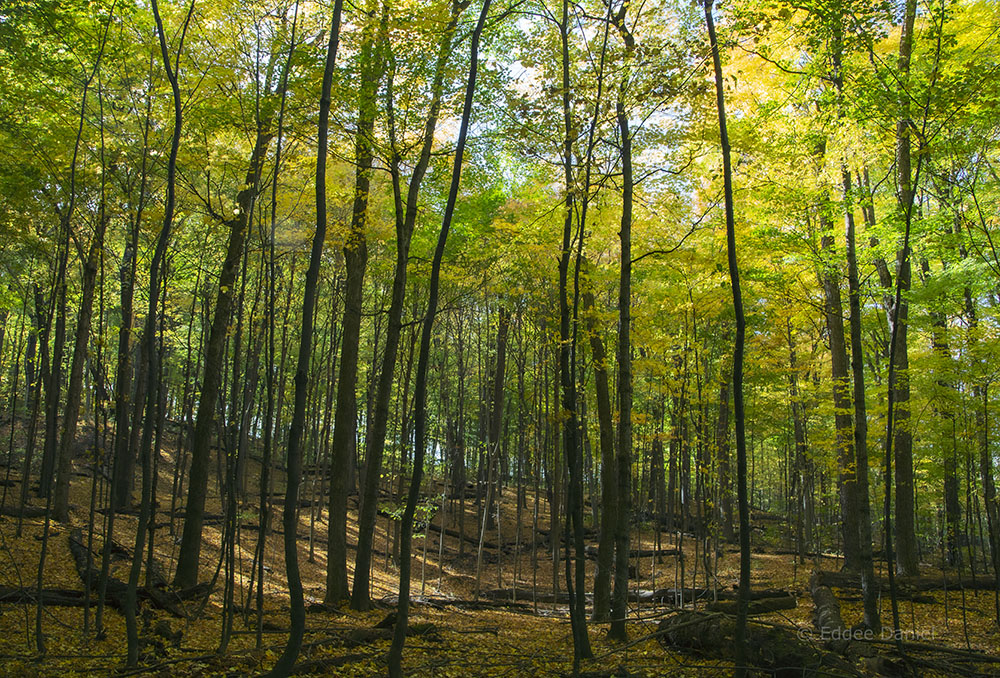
623 459
871 613
149 366
201 450
722 455
906 540
297 614
406 218
123 463
847 485
609 481
496 414
571 446
906 537
355 262
420 395
74 390
740 637
53 383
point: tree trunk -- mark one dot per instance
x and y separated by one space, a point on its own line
71 414
609 481
53 383
420 395
355 262
496 411
290 520
406 219
800 461
623 458
571 446
871 612
906 540
201 450
847 487
740 635
148 368
722 455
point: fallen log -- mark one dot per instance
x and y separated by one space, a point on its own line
85 561
561 598
23 511
845 580
325 664
761 606
522 602
773 648
676 596
807 554
826 608
827 619
54 597
591 551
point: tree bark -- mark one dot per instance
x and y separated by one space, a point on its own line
74 389
567 376
297 614
609 481
871 611
623 457
201 450
740 635
355 262
843 408
420 395
148 368
906 540
722 457
406 219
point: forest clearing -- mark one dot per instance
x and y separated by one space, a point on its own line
522 337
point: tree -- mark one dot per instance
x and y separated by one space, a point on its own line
355 261
290 519
190 548
742 499
420 397
406 218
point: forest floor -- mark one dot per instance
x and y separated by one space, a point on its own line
517 635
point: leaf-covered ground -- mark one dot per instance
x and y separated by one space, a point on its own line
450 638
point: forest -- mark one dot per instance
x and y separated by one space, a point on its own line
509 337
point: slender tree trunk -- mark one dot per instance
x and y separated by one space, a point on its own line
623 461
905 530
294 455
609 480
743 600
355 262
420 396
843 407
496 412
567 377
148 368
868 586
53 383
74 390
201 451
406 219
800 469
722 456
123 468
